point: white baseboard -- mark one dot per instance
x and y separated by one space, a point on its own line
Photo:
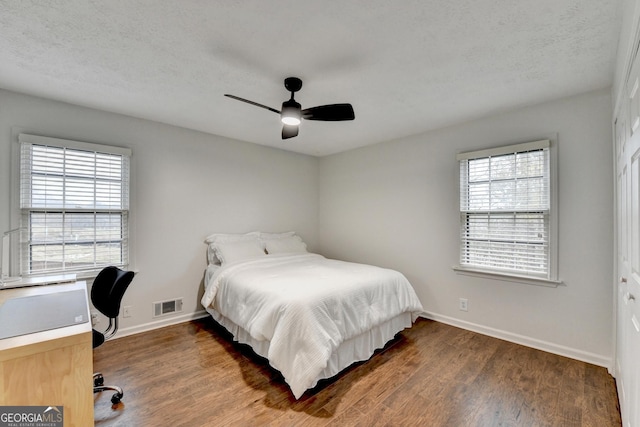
572 353
584 356
160 323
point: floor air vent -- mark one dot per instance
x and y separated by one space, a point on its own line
163 308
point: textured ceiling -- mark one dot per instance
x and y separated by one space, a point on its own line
405 66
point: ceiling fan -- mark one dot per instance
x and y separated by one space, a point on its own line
292 113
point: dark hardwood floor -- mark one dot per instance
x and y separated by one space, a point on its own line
192 374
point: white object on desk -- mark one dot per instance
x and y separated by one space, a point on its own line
29 314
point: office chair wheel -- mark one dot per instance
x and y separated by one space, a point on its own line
98 380
115 399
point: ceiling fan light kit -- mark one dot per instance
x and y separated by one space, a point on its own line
292 113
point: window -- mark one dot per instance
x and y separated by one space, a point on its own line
505 211
74 200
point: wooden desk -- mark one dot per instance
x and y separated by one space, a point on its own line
49 368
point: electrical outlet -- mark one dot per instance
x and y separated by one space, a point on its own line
94 318
464 304
126 311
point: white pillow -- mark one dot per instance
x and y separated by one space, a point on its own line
225 237
231 237
268 236
285 245
239 250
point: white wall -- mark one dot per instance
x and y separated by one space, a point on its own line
395 204
185 185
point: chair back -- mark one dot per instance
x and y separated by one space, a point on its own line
108 289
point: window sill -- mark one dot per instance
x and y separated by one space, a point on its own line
41 280
527 280
87 275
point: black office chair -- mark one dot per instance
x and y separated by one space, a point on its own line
106 295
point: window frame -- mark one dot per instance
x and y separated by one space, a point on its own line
24 213
551 278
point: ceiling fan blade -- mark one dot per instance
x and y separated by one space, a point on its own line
331 112
289 131
252 103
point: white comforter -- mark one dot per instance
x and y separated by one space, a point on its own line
306 306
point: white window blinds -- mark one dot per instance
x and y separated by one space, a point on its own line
74 199
505 209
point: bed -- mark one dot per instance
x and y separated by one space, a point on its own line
309 316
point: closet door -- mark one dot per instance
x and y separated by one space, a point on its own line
622 351
627 140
